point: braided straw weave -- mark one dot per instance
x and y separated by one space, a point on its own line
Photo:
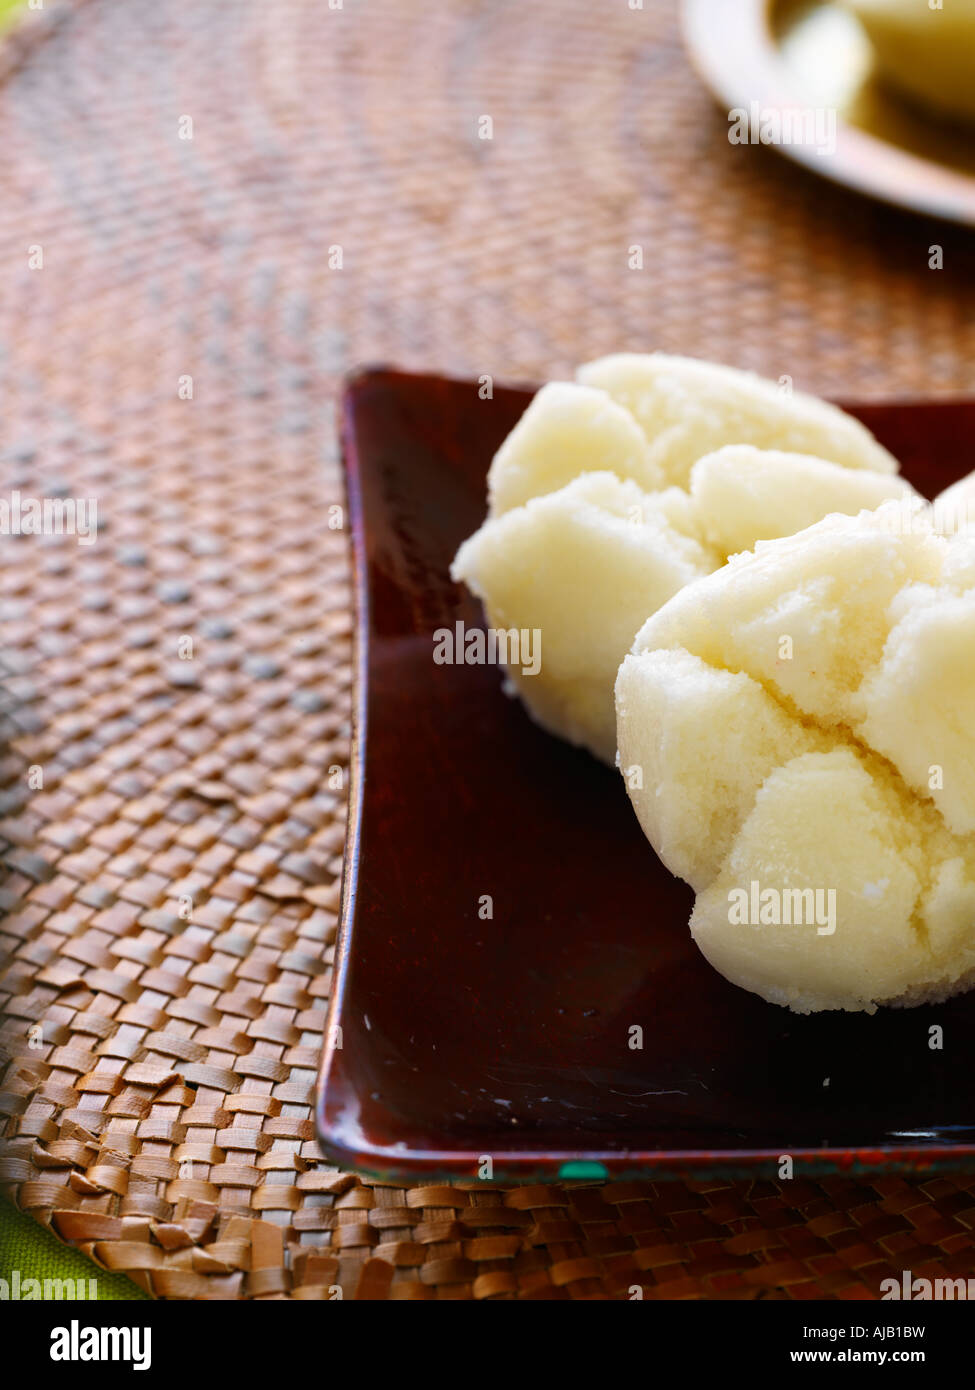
171 890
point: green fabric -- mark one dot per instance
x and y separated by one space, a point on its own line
38 1254
7 8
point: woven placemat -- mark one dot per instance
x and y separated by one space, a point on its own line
182 686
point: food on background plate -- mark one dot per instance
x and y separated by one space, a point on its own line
608 497
925 51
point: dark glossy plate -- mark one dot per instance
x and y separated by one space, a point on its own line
510 1038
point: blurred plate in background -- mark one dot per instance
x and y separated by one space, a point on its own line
776 55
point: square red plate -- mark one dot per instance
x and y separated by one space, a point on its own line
453 1039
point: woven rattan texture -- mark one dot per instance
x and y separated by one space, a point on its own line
171 890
